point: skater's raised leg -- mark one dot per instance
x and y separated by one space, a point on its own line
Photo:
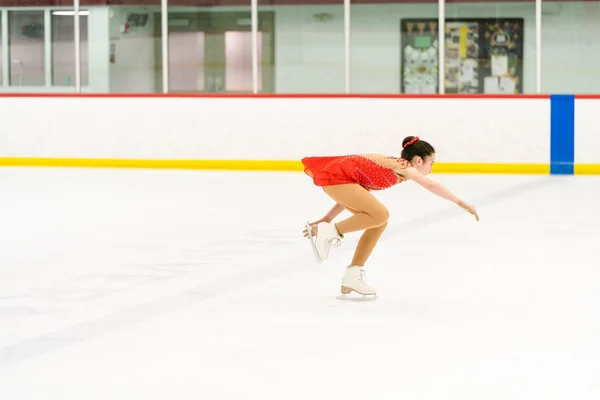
368 212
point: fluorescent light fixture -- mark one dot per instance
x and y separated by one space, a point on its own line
70 12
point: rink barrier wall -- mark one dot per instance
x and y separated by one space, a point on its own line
587 135
550 126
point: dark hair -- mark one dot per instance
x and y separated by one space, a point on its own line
418 148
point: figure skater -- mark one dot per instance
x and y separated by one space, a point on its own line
348 180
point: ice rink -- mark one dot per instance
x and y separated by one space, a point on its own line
159 284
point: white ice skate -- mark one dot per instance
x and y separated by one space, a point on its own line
354 280
327 236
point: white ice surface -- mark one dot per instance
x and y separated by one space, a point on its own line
141 284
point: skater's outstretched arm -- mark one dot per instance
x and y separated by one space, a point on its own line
437 189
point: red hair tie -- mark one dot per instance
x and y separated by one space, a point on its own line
410 142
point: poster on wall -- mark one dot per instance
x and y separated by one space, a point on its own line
419 48
482 55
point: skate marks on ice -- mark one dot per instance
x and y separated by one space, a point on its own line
188 264
262 240
425 220
78 292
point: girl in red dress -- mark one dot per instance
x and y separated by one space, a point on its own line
348 180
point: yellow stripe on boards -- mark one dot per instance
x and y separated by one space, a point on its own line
271 165
274 165
238 165
484 168
587 169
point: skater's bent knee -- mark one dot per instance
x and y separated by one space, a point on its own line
381 215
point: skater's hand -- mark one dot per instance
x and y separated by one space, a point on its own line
312 224
468 208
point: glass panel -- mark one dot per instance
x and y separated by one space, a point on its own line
238 61
211 49
304 46
26 48
389 59
186 61
129 62
1 56
63 48
490 48
571 47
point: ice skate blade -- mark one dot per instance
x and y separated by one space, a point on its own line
346 295
312 242
357 297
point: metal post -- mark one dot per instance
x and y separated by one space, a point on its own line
164 14
538 46
442 46
347 15
254 17
48 67
77 47
6 61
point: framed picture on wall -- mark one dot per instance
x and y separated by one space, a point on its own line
482 55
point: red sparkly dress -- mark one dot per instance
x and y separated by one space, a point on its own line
371 171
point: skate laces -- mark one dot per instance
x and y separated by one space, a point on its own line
335 242
363 276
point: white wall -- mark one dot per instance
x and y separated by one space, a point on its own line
309 55
571 47
462 130
134 70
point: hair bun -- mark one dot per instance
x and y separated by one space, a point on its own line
409 140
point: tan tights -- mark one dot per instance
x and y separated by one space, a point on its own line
369 215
